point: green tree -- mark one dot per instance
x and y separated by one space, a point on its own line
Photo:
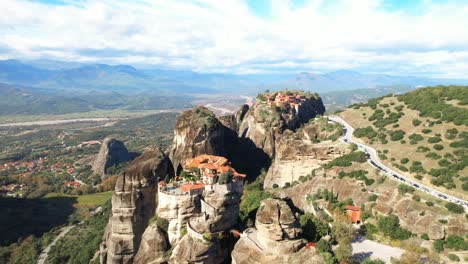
344 252
225 177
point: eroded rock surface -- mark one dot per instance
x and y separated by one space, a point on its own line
275 239
112 152
197 131
133 204
152 247
263 124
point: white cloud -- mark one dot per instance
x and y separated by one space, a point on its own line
224 36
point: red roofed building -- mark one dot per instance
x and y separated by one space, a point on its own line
354 213
211 167
193 188
73 184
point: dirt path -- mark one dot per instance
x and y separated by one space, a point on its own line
45 252
65 230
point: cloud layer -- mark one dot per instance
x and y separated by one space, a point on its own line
428 39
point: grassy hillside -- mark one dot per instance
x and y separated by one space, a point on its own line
423 134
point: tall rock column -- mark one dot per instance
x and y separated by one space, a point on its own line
112 152
133 204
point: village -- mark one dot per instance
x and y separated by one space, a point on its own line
20 171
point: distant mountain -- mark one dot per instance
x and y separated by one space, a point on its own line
350 80
16 100
126 79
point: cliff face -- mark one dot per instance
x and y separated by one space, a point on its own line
263 123
275 238
112 152
306 149
133 204
197 131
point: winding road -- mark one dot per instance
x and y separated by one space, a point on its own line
373 159
65 230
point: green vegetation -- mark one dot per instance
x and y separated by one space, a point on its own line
390 226
403 188
454 208
452 242
253 195
453 257
357 174
431 102
396 135
87 235
368 132
346 160
312 228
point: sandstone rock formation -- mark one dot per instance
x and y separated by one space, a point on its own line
112 152
275 239
263 124
197 131
152 247
133 204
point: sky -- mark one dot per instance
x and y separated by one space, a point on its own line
399 37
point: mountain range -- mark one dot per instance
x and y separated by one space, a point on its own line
80 77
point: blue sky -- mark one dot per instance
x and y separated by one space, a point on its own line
416 37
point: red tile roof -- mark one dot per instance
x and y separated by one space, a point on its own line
192 186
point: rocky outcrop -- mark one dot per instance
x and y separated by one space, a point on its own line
112 152
133 204
275 239
197 131
300 152
263 124
152 247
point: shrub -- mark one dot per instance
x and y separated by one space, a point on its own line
416 122
456 243
372 198
438 147
434 140
208 236
453 257
438 245
323 246
425 236
454 208
404 160
397 135
426 131
275 186
225 177
429 203
403 188
416 137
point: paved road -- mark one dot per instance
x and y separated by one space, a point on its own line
375 162
364 248
65 230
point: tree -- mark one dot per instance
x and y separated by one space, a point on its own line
344 252
323 246
343 232
454 208
225 177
